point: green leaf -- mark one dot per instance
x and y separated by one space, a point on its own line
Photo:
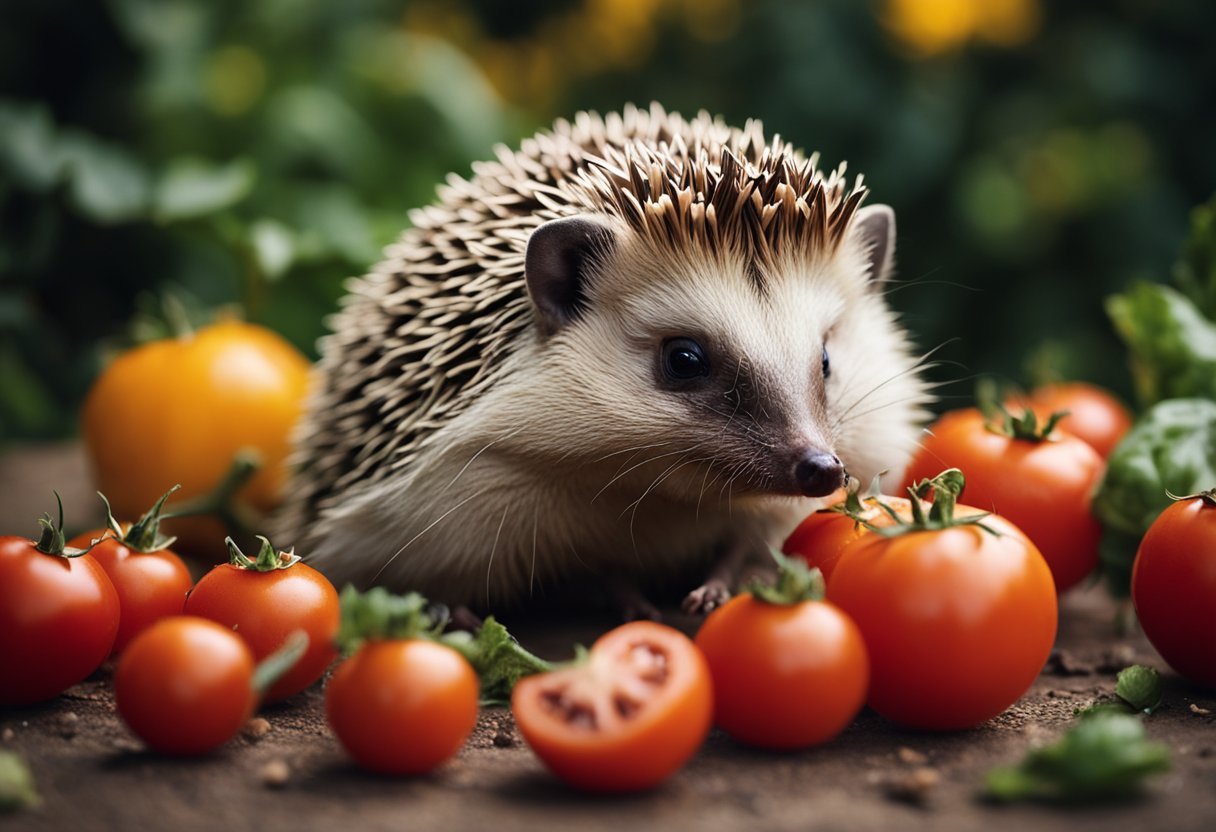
17 789
1105 755
192 188
1171 345
1195 272
1140 687
498 658
274 247
1171 450
105 183
29 148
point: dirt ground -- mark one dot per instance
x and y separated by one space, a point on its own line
93 774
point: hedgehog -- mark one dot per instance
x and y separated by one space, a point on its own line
627 357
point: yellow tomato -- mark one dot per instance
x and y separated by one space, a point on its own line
179 410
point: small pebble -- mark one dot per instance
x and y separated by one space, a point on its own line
7 735
503 738
68 724
1195 709
911 757
915 786
256 728
275 774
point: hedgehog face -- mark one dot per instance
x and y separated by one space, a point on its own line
771 378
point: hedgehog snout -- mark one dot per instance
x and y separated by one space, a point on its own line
818 473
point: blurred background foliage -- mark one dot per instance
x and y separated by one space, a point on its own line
1038 155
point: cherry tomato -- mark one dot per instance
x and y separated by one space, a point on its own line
185 685
150 585
957 622
402 706
627 718
1041 486
58 617
179 410
265 601
785 676
1174 587
1094 415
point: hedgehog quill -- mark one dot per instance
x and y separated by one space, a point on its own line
630 355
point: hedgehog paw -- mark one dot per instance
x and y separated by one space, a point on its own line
706 598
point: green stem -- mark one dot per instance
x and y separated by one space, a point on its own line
278 663
222 501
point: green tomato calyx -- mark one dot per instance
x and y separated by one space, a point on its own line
927 516
1000 420
269 559
52 541
144 534
796 582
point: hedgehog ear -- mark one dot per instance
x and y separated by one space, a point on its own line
874 230
557 265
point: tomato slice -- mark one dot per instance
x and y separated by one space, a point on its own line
625 719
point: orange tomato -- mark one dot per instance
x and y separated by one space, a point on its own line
627 718
402 706
785 676
1041 486
179 410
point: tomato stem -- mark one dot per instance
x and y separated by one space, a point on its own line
144 534
1208 497
269 559
221 502
795 582
999 420
52 541
945 490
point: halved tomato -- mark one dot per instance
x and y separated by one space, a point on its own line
624 719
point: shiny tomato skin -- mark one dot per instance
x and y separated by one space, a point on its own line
402 706
1044 488
185 685
1174 588
178 411
58 620
1094 415
957 623
150 586
821 538
670 711
266 607
784 676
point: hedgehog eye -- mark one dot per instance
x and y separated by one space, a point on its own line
827 364
684 359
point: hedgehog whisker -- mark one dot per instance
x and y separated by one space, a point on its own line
636 504
608 484
474 457
532 573
429 526
493 549
919 364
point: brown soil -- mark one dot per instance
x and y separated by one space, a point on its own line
93 774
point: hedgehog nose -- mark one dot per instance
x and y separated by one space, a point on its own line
818 474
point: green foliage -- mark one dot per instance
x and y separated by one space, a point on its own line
17 789
1105 755
1170 450
260 153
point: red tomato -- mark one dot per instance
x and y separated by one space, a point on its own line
402 706
627 718
264 607
1041 486
822 537
185 685
1094 415
58 619
957 622
150 585
1174 587
785 676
